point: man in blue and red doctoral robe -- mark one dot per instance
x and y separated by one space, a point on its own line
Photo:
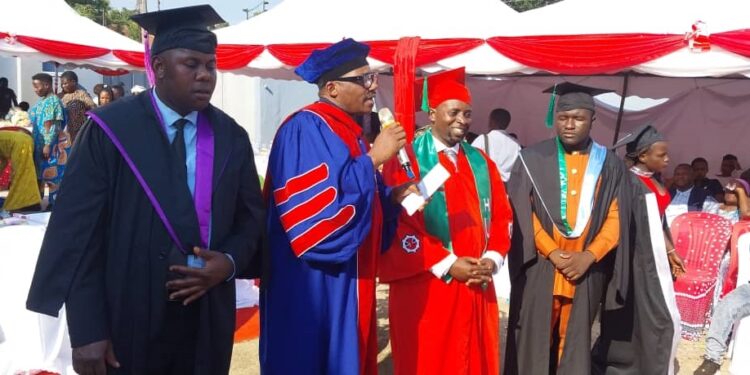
443 312
325 218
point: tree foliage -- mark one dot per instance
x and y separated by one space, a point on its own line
524 5
102 13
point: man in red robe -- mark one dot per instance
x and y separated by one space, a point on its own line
443 310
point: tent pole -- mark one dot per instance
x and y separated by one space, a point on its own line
622 107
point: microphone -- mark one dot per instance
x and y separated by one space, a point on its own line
386 120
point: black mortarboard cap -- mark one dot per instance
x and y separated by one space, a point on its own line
570 96
181 28
573 96
639 140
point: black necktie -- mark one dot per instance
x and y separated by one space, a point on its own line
178 147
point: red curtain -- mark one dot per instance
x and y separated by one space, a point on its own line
404 68
62 49
228 56
236 56
737 41
294 54
586 54
130 57
430 50
111 72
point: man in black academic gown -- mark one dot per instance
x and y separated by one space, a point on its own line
155 181
565 193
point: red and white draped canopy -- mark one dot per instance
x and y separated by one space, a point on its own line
674 38
52 29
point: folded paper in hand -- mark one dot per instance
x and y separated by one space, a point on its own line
428 186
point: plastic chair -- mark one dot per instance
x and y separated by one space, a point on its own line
741 337
700 239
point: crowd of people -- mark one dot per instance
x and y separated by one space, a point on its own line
160 207
51 126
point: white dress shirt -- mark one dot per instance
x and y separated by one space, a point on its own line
503 150
679 205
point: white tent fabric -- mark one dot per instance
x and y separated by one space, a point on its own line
300 21
703 116
328 21
31 342
56 21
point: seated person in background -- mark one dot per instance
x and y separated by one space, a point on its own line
97 89
118 90
17 148
730 169
741 187
105 96
732 308
735 196
21 116
685 197
700 171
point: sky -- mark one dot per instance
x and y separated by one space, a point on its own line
230 10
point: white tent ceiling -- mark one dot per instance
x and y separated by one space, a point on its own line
328 21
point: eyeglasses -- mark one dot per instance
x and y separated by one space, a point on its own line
365 80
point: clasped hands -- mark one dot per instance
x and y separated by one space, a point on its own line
197 281
573 265
92 359
472 271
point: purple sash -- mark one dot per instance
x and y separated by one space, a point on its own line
203 175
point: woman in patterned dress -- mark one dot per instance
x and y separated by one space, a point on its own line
76 101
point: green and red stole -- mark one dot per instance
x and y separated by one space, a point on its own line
436 211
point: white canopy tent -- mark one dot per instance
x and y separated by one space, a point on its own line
328 21
50 29
702 103
331 20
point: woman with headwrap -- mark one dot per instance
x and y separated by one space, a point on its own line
642 337
76 101
649 155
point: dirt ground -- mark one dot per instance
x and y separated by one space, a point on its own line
245 356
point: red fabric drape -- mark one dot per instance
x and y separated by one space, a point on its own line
130 57
62 49
586 54
404 66
4 35
236 56
294 54
111 72
430 50
737 41
228 56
